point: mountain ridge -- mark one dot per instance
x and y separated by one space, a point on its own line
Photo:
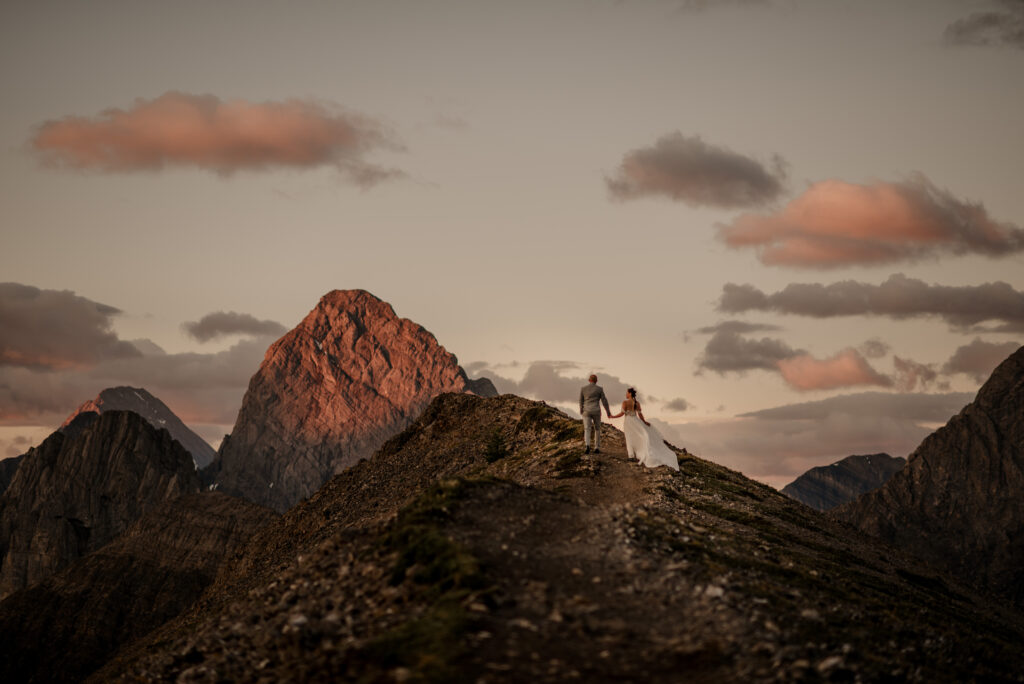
482 544
825 487
328 393
957 503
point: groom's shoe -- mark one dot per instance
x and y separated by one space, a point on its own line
587 450
597 451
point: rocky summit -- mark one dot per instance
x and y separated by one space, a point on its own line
138 400
63 628
328 394
959 501
825 487
482 545
72 495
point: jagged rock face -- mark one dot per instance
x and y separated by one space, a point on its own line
958 502
826 487
515 557
328 394
8 467
66 626
140 401
72 495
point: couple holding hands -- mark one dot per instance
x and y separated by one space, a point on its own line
643 441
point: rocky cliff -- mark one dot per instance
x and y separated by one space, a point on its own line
959 501
826 487
140 401
328 394
72 495
8 467
63 628
481 544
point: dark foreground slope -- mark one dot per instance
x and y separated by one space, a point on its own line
826 487
66 626
959 502
513 557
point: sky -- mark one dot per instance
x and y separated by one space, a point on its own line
795 226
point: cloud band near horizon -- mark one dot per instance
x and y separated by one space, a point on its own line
898 297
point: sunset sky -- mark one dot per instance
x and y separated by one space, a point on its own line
796 226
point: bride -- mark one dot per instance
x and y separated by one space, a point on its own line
643 442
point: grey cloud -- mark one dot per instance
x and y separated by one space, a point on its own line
874 348
16 446
52 329
691 171
679 404
728 351
222 323
979 358
990 28
898 297
910 374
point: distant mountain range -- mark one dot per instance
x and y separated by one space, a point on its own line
140 401
826 487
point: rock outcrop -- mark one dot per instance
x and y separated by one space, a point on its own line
8 467
328 394
482 544
959 501
140 401
66 626
72 495
825 487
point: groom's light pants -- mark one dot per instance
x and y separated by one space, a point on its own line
592 426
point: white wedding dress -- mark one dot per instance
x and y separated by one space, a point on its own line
646 444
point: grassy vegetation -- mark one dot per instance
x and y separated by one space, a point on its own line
444 575
495 449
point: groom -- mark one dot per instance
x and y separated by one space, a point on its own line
591 398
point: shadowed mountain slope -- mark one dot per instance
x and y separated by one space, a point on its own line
138 400
72 495
481 545
329 393
66 626
826 487
959 502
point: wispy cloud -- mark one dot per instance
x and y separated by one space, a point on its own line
835 224
691 171
224 136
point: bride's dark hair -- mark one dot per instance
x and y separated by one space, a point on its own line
632 393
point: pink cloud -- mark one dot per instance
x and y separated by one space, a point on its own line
846 369
223 136
835 224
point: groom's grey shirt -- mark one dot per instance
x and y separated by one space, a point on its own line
591 398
